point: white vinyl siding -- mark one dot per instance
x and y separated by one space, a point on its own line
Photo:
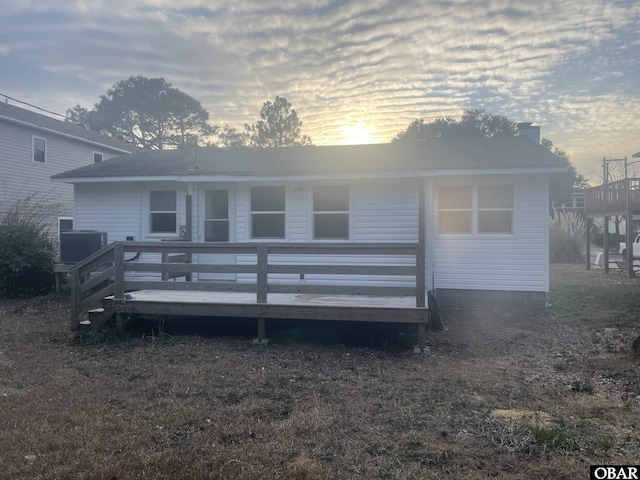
517 261
22 177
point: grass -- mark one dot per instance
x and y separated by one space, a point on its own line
503 395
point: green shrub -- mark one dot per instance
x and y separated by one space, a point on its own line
566 237
27 251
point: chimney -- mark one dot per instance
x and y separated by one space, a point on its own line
526 129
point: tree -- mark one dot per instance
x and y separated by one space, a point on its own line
476 122
278 126
147 112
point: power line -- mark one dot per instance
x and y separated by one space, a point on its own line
34 106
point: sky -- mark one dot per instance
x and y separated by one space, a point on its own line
355 71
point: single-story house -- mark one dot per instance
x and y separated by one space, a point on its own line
486 206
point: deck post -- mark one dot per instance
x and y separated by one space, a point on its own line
588 245
605 245
118 271
421 250
262 273
422 336
629 239
75 298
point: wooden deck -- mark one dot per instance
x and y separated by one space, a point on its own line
162 283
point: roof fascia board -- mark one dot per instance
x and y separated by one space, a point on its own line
300 178
65 135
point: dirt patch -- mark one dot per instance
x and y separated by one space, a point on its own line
503 395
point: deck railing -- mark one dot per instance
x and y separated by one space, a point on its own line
611 199
130 266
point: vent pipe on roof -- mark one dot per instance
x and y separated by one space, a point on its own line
527 129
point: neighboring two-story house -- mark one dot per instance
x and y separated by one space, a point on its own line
33 147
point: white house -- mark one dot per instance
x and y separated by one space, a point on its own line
34 147
486 205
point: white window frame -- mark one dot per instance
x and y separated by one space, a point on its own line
454 210
101 157
33 149
151 233
267 212
315 213
61 219
475 212
480 209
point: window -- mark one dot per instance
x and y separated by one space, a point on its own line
97 157
478 209
163 212
65 224
331 212
216 216
495 209
454 209
39 150
267 212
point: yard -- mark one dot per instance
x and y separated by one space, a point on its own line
503 395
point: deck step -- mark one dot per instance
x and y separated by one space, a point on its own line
85 323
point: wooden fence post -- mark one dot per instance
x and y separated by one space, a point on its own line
118 271
262 272
75 298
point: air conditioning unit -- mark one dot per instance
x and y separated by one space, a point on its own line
76 245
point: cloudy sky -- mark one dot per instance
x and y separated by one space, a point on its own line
355 71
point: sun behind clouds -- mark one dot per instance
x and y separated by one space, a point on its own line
358 134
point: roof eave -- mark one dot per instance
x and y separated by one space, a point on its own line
310 177
65 135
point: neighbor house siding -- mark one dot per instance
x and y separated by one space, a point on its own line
21 177
513 262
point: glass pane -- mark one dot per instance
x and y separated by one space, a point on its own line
331 226
65 224
495 222
216 204
267 199
454 222
331 198
454 197
267 225
163 201
216 231
39 147
495 196
163 223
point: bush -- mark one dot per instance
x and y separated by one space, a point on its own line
566 237
27 251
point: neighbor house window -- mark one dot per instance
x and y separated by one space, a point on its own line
39 150
163 211
268 212
495 209
65 224
455 207
331 212
97 157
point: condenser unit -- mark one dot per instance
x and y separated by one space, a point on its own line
76 245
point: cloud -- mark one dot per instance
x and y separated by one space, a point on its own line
376 63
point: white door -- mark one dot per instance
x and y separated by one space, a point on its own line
216 226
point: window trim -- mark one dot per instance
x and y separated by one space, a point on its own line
475 211
347 212
33 149
176 232
64 218
510 209
268 212
101 157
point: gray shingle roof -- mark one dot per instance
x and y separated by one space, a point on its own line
441 154
20 115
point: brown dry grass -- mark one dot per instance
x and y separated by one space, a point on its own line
214 406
